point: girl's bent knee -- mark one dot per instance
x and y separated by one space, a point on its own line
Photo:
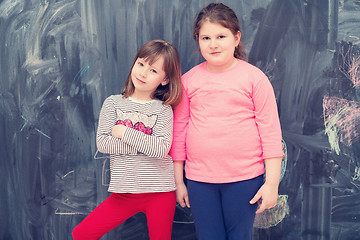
83 232
77 233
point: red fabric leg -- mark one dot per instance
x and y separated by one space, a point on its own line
108 215
160 215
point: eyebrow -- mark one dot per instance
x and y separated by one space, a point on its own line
210 34
148 60
158 68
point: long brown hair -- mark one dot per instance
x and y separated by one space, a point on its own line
226 17
171 93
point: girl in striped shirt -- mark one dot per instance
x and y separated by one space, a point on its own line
135 129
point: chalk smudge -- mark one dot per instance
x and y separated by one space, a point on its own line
350 66
342 121
356 176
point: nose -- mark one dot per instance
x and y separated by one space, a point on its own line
143 72
213 43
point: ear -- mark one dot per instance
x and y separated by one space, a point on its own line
164 82
237 38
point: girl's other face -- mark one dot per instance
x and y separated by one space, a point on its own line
146 78
217 46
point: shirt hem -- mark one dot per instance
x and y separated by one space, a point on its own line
223 179
139 191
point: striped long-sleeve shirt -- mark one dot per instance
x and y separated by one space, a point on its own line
139 162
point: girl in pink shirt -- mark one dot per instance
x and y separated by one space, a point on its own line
225 129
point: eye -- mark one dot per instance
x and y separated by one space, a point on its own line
153 70
221 36
205 38
140 64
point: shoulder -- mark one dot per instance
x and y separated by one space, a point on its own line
113 98
163 107
193 71
249 74
250 70
159 107
257 79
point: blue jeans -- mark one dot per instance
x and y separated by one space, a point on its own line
222 211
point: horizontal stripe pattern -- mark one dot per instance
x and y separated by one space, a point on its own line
139 163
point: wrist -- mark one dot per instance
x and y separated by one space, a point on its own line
179 183
272 183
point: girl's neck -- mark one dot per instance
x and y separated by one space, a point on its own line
141 97
221 68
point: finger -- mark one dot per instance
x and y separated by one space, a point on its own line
260 210
187 201
269 204
255 198
182 204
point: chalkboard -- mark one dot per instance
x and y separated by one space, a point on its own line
60 59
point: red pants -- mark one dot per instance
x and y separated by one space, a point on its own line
159 209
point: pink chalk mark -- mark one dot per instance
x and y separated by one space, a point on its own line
345 116
350 65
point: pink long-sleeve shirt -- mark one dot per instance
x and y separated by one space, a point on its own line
226 124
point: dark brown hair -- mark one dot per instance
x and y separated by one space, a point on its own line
223 15
171 93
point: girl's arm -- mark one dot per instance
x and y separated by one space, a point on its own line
181 190
178 148
181 122
156 145
267 119
105 141
267 195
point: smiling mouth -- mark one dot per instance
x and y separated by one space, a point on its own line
215 53
140 81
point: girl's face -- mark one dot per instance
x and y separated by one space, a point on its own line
146 78
217 46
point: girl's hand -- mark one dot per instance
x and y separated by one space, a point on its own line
182 195
266 197
118 131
